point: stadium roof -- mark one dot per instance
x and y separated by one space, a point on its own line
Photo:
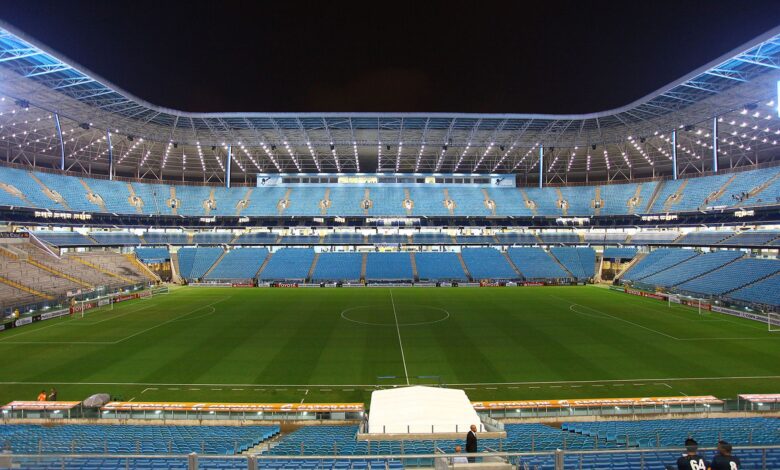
151 141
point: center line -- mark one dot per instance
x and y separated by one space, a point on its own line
400 343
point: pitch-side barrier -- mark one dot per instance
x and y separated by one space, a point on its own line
763 457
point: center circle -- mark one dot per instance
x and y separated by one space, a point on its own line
410 315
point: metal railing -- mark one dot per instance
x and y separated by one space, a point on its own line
753 457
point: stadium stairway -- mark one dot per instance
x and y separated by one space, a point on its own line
756 191
282 207
243 203
561 201
324 206
81 260
175 277
408 195
447 198
531 205
415 275
639 257
219 260
142 268
653 197
561 265
97 199
465 268
15 192
139 208
313 267
485 202
58 273
631 208
174 207
363 264
599 264
676 275
597 197
367 197
13 253
658 262
51 194
512 264
206 207
27 289
761 279
265 263
715 195
676 197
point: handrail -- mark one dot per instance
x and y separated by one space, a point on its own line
386 456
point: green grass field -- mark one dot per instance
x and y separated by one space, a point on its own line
333 345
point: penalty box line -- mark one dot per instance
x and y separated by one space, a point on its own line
211 305
574 304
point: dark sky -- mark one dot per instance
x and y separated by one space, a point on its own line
414 56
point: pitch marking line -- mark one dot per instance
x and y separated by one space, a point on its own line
400 343
68 320
90 323
361 307
654 381
679 310
119 340
173 319
572 305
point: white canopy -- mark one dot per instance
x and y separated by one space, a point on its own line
420 409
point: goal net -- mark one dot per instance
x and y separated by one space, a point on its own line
154 291
773 321
103 303
160 290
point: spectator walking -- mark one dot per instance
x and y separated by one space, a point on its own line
471 443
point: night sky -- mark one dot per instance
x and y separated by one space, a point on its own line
412 56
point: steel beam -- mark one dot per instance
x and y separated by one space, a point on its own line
110 156
227 165
715 144
541 165
674 154
62 144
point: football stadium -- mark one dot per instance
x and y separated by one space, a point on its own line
244 291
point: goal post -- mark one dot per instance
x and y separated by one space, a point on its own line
153 291
96 304
160 290
773 321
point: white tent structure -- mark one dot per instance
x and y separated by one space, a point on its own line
421 409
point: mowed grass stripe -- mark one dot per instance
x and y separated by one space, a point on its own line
298 337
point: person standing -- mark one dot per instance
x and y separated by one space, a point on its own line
691 460
42 395
723 460
471 443
53 394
